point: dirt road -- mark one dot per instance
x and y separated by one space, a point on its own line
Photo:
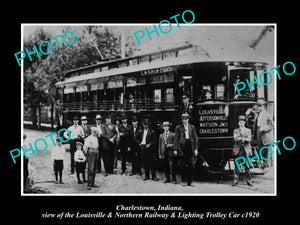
41 171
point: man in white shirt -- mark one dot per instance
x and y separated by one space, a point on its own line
91 150
77 134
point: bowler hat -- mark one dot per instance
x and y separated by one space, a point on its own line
185 115
207 90
261 101
123 116
79 143
242 117
83 118
134 119
166 123
146 121
75 118
107 116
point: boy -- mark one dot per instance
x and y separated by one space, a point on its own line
58 154
80 159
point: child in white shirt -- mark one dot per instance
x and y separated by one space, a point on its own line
58 154
80 163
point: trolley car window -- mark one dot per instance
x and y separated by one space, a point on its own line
115 83
97 86
220 90
155 57
169 95
133 81
169 54
162 78
157 96
240 75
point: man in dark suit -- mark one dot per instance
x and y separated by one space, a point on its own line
109 135
241 147
98 125
186 106
264 131
134 147
186 146
85 126
165 150
146 140
124 132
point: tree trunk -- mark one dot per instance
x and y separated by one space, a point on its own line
39 116
52 109
34 119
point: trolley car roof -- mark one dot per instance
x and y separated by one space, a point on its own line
150 65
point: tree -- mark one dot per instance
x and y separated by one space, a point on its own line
93 44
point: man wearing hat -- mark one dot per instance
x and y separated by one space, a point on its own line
165 150
146 140
264 130
91 150
85 126
99 131
242 140
77 134
207 95
109 135
186 147
186 106
124 143
134 146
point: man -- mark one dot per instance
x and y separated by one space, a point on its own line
146 139
264 128
165 150
77 134
99 131
134 146
85 127
186 147
90 148
242 140
124 143
109 135
186 106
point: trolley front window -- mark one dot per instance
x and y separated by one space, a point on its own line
241 75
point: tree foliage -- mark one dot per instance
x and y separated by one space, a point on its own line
93 44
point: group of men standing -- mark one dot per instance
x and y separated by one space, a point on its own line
137 143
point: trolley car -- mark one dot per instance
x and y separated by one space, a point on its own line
153 84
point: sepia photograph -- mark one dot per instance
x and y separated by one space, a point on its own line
148 109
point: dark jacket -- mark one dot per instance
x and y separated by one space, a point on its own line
124 133
179 141
162 150
133 136
150 138
108 134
